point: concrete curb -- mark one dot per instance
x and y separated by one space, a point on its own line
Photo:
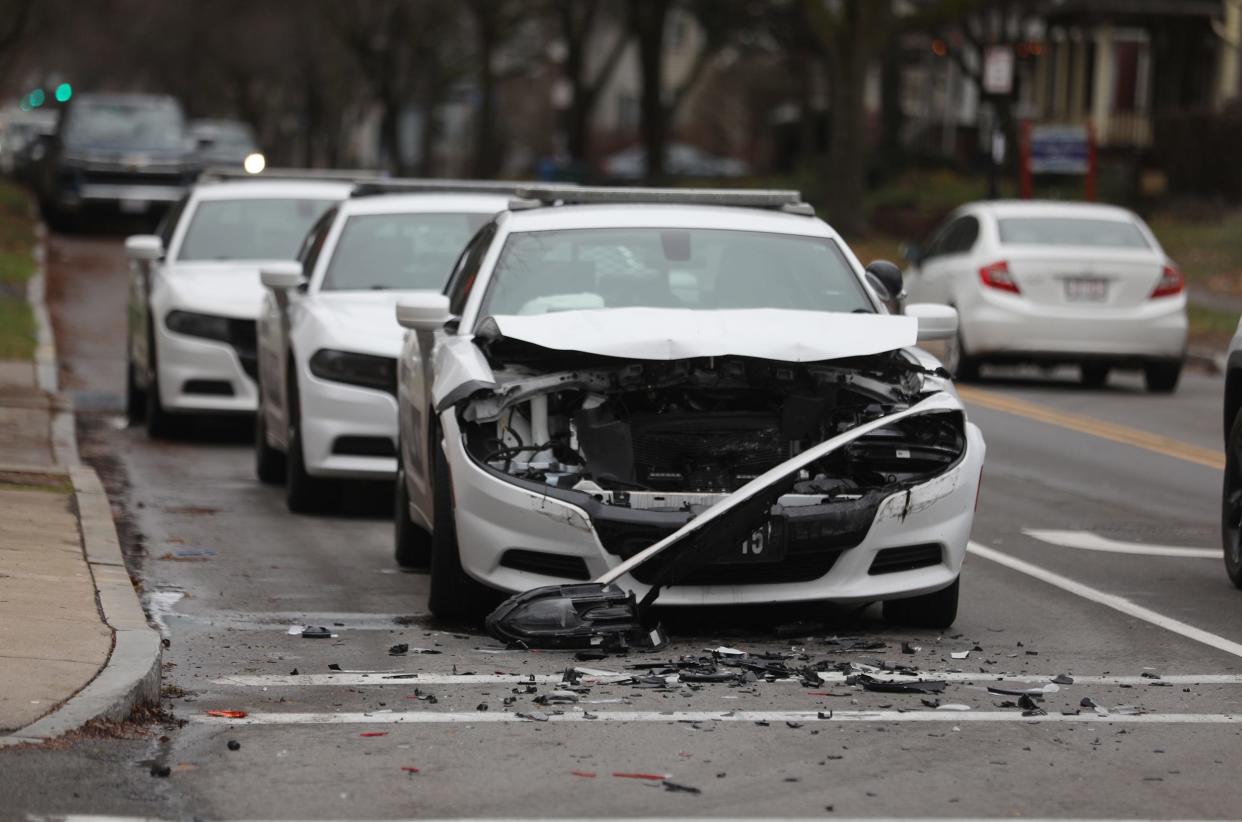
130 677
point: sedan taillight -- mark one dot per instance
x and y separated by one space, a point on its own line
997 276
1171 282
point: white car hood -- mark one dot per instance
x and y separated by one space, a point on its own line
222 289
679 333
363 321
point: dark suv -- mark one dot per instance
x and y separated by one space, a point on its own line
121 152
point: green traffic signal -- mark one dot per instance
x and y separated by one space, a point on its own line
63 92
37 98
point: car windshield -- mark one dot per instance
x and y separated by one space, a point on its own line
128 124
399 251
250 229
1065 231
696 268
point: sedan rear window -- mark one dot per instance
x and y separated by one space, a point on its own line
250 229
1065 231
545 271
401 251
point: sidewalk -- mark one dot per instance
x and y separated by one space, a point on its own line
74 642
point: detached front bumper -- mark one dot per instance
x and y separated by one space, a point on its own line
914 544
347 431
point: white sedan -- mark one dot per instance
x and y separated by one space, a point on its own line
194 294
1055 283
328 342
610 369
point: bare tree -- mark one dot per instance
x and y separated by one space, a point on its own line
578 23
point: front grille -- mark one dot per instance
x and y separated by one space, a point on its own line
355 446
705 452
211 388
905 558
244 339
548 565
134 178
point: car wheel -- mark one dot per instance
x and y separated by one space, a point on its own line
1231 504
305 494
135 397
1162 377
935 610
160 423
452 593
957 362
1094 375
269 464
413 544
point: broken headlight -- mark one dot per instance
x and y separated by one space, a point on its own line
587 615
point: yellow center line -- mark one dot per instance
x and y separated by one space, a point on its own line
1096 428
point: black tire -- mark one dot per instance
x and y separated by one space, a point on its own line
961 365
160 423
305 494
1162 377
135 397
1094 375
269 464
1231 504
935 610
413 544
452 594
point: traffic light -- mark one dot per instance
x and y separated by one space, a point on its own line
63 92
37 98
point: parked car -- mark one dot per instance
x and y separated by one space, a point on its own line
1231 492
605 364
1055 283
226 144
20 133
117 152
328 342
194 294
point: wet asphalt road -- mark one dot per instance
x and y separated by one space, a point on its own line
226 570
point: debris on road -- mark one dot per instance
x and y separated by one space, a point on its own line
409 769
1063 679
227 714
317 633
679 788
161 771
654 777
373 733
234 745
870 683
398 650
584 774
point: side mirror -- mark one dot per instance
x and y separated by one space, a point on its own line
423 311
282 275
888 275
936 322
144 247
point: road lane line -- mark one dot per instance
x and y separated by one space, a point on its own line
494 717
80 817
1117 603
1086 541
829 677
1114 432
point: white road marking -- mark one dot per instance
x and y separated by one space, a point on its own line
1086 541
79 817
1117 603
489 717
281 620
827 677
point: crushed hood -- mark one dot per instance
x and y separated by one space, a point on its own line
679 333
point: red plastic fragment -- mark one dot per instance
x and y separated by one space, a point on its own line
655 777
374 733
228 714
409 769
587 774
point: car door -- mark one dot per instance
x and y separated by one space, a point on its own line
949 260
415 376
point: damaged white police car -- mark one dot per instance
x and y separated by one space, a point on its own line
693 394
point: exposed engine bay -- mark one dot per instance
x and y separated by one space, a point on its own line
676 435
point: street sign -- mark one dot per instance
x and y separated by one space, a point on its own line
1060 149
998 70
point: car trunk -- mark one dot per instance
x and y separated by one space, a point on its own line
1084 278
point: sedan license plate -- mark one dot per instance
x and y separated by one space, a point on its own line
764 546
1086 290
133 206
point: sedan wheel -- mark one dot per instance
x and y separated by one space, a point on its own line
305 494
135 397
1162 377
957 362
1231 504
453 593
935 610
413 544
269 464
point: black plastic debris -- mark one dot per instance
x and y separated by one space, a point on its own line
870 683
676 787
334 667
794 725
1028 703
907 648
1088 702
294 672
854 643
482 706
1149 675
1063 679
316 633
161 771
586 615
234 745
536 716
399 649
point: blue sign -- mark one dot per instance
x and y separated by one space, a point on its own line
1060 150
